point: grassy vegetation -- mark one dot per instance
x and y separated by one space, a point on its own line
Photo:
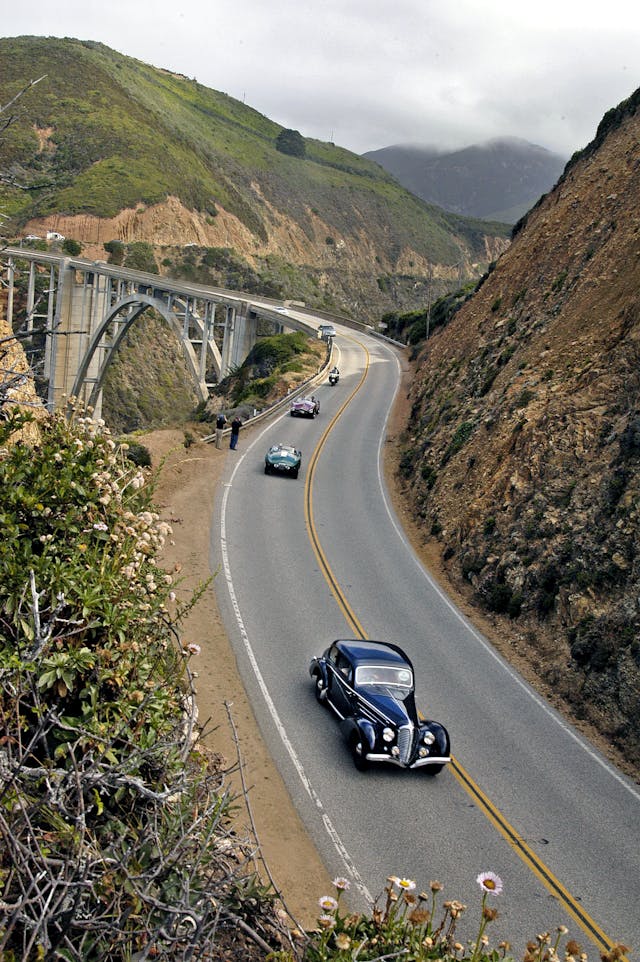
103 132
271 363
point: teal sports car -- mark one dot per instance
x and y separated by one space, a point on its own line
282 459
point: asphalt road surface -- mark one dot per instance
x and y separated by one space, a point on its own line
322 557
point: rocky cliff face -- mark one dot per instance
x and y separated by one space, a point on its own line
349 272
522 455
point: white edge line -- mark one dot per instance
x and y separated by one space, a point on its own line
339 846
481 641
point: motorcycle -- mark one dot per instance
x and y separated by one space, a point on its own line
334 377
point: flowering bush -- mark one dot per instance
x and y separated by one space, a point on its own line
115 840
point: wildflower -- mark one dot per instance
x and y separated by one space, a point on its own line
328 903
326 921
100 526
490 882
405 883
194 649
489 914
342 884
172 596
562 929
419 916
458 947
343 941
573 947
427 942
436 886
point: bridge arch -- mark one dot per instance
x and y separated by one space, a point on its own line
134 305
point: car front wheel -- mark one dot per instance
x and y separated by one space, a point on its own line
319 688
358 752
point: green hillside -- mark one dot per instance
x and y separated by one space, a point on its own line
102 132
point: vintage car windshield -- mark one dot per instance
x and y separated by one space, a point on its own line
384 675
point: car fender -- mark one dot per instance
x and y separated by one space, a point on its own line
442 744
364 728
319 668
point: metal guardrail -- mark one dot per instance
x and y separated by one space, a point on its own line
282 402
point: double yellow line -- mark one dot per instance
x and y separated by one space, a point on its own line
530 859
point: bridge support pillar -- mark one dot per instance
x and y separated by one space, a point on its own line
81 304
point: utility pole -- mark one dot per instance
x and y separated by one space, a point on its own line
429 298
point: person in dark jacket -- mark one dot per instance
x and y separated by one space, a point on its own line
236 424
220 423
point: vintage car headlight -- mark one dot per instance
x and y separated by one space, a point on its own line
388 734
429 738
423 752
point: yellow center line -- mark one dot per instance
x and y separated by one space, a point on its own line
530 859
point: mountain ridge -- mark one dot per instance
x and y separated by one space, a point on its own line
104 134
499 179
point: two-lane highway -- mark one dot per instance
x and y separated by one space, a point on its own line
307 561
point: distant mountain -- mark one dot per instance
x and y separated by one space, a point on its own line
499 180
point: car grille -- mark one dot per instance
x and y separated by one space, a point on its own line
405 742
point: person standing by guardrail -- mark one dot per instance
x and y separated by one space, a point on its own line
236 424
220 423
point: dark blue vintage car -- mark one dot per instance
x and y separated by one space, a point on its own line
370 687
282 459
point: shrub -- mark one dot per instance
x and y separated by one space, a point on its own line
461 436
138 454
140 257
291 142
116 251
407 462
105 797
72 247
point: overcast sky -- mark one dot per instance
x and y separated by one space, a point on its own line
370 73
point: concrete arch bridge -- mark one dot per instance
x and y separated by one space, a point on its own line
86 308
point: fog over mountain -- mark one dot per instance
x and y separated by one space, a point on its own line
497 180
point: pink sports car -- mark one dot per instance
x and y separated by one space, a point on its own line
305 407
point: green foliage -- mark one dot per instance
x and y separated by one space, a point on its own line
138 454
408 459
71 247
461 435
116 251
525 396
291 142
101 767
140 257
429 475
